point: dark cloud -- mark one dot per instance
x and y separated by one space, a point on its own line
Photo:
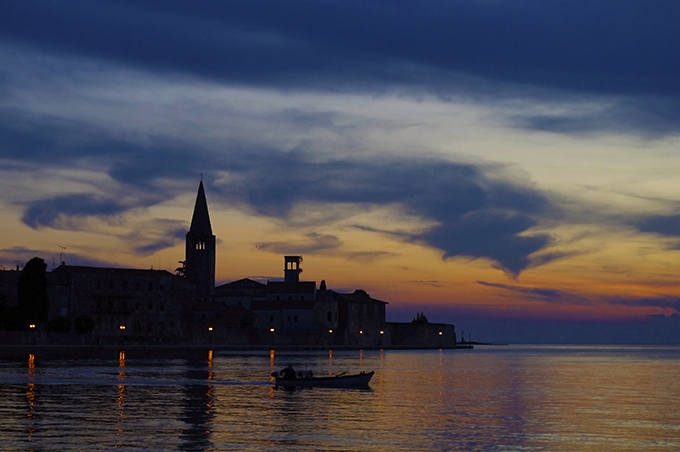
156 235
61 211
48 141
610 47
314 243
667 226
476 216
653 118
664 225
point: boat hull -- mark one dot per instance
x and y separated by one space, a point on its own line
340 381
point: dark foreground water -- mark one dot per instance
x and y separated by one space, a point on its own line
513 398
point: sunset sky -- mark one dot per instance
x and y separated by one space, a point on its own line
511 167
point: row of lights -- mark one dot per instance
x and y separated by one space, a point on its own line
271 330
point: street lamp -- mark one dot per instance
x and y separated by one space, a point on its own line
272 330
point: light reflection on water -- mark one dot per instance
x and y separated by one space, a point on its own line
491 398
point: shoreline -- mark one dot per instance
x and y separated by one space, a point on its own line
112 351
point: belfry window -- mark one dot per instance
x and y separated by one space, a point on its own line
199 244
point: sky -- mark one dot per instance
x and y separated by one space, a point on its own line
508 167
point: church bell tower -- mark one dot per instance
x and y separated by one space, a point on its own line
200 248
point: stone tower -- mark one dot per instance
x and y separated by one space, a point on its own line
200 248
292 269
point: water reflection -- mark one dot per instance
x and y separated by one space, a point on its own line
30 398
120 400
198 408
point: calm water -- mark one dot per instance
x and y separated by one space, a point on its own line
515 398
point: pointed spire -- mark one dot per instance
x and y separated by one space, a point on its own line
200 222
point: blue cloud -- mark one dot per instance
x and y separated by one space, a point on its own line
664 225
52 212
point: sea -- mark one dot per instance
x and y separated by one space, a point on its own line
490 398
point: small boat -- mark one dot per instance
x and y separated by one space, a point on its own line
359 380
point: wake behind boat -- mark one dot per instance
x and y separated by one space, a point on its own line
288 378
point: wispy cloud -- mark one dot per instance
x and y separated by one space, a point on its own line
556 296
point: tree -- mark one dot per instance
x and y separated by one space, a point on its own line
181 270
33 304
420 318
84 324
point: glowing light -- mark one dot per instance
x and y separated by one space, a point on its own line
32 326
271 330
382 332
330 331
210 328
121 327
440 333
361 332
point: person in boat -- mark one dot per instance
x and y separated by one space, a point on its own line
288 373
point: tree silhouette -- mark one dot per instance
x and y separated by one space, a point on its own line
420 318
181 270
33 304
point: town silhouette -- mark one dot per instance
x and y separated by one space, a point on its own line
86 305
